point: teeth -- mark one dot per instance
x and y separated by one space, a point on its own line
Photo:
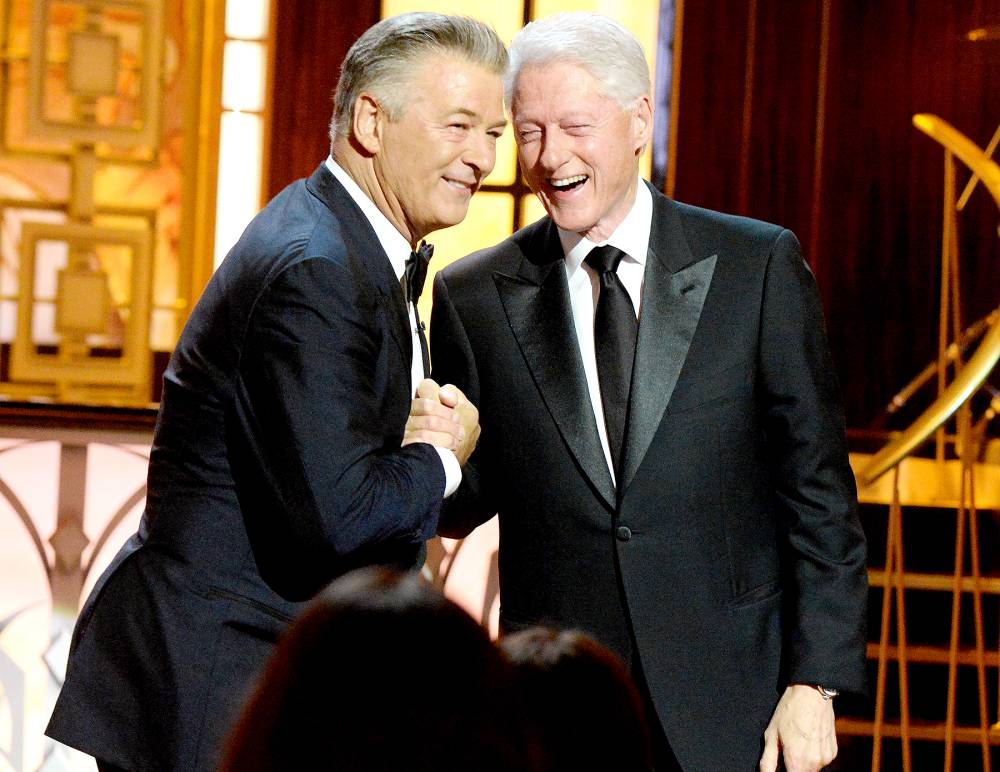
566 182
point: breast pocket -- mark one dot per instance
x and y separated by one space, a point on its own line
702 390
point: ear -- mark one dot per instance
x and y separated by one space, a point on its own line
367 121
642 123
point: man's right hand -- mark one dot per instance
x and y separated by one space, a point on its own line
432 422
444 417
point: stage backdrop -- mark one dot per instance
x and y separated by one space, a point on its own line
800 113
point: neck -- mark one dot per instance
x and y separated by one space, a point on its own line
361 168
601 231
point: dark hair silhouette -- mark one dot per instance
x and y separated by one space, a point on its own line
580 701
382 673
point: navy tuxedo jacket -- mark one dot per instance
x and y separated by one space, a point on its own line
729 559
276 465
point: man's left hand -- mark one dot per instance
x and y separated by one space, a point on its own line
802 730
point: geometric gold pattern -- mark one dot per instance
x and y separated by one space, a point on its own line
97 80
83 301
93 64
83 307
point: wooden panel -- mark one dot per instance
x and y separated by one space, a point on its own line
311 39
711 99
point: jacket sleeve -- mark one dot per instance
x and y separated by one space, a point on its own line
325 484
814 489
453 362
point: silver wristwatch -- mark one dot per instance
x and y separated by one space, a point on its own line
826 694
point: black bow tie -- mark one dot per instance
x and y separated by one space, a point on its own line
416 271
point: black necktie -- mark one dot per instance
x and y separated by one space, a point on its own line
615 328
414 275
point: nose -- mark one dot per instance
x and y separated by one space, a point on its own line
481 153
553 151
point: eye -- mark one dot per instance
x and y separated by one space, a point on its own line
495 133
529 135
459 125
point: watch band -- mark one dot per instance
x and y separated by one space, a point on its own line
826 694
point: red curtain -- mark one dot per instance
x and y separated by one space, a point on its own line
860 186
310 42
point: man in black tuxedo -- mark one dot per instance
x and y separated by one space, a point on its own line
662 433
282 455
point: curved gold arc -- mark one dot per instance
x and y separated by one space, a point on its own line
964 386
970 154
978 368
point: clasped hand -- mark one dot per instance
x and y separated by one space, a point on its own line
444 417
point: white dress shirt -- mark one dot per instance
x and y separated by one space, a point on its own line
398 250
632 238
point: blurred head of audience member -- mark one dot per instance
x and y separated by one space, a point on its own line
382 672
580 701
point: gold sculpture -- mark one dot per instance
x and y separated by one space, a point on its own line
978 368
957 481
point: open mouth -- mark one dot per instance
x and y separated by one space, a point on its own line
565 184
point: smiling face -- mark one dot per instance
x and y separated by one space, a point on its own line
433 157
578 149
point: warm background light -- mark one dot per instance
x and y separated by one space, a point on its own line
493 216
241 130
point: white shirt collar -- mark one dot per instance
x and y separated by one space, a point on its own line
393 242
631 236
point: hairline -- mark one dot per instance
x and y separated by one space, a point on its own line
406 50
555 40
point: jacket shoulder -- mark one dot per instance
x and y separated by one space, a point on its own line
505 257
727 231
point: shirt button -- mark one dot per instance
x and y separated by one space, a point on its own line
624 533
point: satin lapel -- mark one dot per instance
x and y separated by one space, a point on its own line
537 305
360 239
673 294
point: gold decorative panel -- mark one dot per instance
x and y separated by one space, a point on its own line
83 301
94 71
70 329
104 123
93 64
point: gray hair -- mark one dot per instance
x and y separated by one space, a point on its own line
383 58
601 46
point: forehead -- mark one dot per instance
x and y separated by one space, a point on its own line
449 82
557 88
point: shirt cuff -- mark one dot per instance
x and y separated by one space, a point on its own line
452 471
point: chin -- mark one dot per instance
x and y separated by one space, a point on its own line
449 219
570 218
571 223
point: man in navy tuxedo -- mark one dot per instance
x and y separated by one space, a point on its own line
282 455
683 493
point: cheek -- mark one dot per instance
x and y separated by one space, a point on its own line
527 156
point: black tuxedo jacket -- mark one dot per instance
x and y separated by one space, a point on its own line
276 465
729 559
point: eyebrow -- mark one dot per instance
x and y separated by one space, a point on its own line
474 114
573 119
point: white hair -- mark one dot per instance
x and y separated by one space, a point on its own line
601 46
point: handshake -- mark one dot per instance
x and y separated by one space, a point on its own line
444 417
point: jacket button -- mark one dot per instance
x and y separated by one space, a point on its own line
624 533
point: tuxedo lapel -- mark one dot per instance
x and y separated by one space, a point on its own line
673 294
361 241
537 305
